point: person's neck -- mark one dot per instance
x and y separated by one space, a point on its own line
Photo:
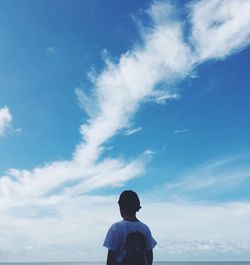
130 217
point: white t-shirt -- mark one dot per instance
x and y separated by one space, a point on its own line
119 238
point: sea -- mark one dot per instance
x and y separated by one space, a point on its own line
155 263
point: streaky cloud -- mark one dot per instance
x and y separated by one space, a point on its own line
181 131
132 131
220 176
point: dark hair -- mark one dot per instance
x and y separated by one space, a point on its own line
129 201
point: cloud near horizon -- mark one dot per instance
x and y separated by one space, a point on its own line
46 194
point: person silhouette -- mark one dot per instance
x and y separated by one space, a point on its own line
129 242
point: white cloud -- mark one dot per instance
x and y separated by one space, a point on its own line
5 120
181 230
63 229
131 131
162 12
220 28
52 198
161 97
86 102
181 131
196 228
149 152
119 91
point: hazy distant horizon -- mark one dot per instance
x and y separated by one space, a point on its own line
155 262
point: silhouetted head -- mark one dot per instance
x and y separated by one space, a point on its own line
129 201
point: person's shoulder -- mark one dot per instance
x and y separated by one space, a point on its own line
117 224
143 224
146 227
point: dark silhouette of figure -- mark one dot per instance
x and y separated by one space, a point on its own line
135 247
129 241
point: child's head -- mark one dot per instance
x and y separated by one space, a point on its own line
129 202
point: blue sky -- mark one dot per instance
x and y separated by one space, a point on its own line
101 96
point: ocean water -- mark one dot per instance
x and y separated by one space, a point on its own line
155 263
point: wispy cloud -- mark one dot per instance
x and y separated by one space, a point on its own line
131 131
51 50
220 176
5 120
86 102
181 131
161 97
56 192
